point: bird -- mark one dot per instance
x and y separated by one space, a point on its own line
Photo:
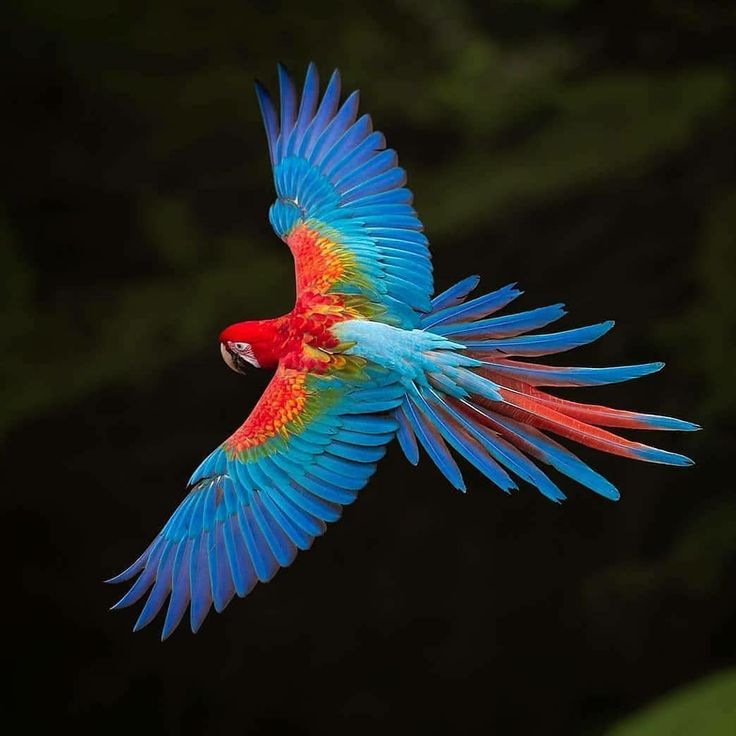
369 354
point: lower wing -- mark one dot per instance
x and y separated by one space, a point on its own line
310 444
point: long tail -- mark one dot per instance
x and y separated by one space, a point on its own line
494 413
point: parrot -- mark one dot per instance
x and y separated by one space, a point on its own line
369 354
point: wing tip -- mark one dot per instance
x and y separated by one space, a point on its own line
139 625
679 461
261 91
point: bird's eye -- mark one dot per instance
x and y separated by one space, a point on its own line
240 346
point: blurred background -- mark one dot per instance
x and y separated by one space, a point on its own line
583 148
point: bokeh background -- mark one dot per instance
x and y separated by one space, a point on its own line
584 148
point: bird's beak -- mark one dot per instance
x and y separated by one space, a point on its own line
228 358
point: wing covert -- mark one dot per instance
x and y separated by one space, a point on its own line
341 205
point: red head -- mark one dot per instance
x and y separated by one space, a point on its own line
255 343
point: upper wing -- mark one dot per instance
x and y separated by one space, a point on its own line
342 206
307 448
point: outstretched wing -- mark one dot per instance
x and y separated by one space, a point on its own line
307 448
342 207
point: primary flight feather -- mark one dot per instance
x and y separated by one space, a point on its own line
368 354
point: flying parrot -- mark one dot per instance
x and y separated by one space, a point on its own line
369 354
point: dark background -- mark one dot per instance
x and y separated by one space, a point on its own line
585 149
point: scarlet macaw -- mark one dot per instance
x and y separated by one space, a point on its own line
367 355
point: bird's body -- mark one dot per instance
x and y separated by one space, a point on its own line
369 353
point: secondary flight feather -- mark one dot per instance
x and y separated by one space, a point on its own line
368 354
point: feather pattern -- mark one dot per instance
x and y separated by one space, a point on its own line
251 507
342 206
506 417
366 355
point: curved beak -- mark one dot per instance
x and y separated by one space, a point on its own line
228 358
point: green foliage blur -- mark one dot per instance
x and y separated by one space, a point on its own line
709 707
587 149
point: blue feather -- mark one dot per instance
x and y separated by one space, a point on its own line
347 142
241 569
311 503
282 549
370 407
141 585
405 222
547 450
266 475
361 397
213 464
293 531
398 247
422 271
401 238
310 523
543 344
313 437
469 447
318 482
364 151
243 574
223 587
179 588
264 563
339 125
200 593
323 468
135 568
392 197
302 448
364 440
455 294
374 166
506 326
391 179
386 208
270 121
433 444
479 307
160 590
507 454
357 453
407 438
544 375
348 468
288 103
473 383
240 472
324 114
307 107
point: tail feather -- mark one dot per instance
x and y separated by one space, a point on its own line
541 344
488 407
466 443
482 306
509 325
538 415
406 437
455 294
604 416
535 374
504 452
431 440
539 446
